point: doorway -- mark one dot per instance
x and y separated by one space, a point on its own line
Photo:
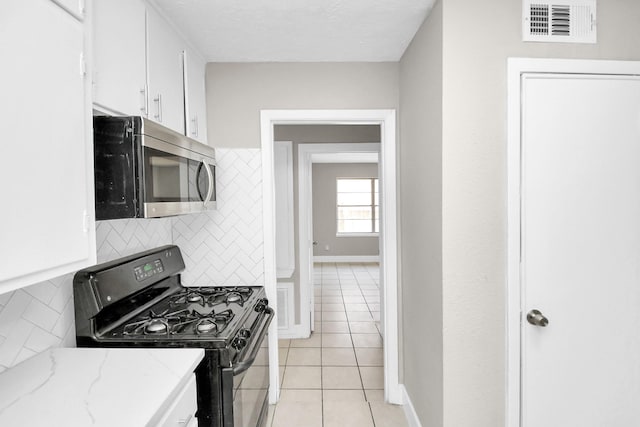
388 228
308 155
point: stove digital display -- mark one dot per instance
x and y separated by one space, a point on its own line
148 270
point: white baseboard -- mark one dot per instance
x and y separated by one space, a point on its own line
409 410
347 258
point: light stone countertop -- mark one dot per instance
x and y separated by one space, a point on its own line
78 387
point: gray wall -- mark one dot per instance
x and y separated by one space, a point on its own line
324 177
420 169
464 81
302 134
236 92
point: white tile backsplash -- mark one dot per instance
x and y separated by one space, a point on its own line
224 247
221 247
41 316
118 238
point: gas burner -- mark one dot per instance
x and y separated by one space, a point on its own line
194 297
154 323
234 297
156 326
206 325
202 323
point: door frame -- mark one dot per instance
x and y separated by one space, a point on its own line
308 154
516 68
388 228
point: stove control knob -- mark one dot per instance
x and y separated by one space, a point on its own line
239 343
244 333
261 305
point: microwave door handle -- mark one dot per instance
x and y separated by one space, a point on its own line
207 199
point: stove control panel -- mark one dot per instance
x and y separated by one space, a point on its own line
240 341
148 270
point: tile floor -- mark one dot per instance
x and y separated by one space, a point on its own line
335 378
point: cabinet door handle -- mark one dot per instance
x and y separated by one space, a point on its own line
185 421
158 100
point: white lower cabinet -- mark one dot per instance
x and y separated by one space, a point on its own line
46 223
182 411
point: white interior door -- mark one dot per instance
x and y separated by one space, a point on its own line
581 250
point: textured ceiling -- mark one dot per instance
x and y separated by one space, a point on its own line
298 30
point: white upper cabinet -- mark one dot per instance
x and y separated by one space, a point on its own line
195 97
119 72
46 223
74 7
142 67
165 73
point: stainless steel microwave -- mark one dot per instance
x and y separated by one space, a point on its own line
144 170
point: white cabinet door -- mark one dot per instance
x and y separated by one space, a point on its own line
119 56
183 408
195 98
46 175
165 65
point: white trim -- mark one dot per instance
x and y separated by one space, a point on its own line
409 410
347 258
388 241
516 67
283 175
284 273
269 227
346 157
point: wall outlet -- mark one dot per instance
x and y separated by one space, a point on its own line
326 247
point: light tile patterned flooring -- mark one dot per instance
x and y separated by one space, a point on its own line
335 378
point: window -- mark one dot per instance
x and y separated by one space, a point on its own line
357 204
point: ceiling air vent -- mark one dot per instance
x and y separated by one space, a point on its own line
568 21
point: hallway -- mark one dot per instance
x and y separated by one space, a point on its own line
335 377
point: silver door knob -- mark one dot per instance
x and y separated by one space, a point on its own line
536 318
315 243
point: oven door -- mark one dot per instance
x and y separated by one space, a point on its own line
176 180
246 385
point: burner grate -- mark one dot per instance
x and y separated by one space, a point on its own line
212 296
176 323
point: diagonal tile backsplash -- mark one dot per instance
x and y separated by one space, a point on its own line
40 316
225 247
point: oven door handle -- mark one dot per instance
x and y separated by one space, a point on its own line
240 367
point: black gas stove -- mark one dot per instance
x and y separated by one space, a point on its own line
138 301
